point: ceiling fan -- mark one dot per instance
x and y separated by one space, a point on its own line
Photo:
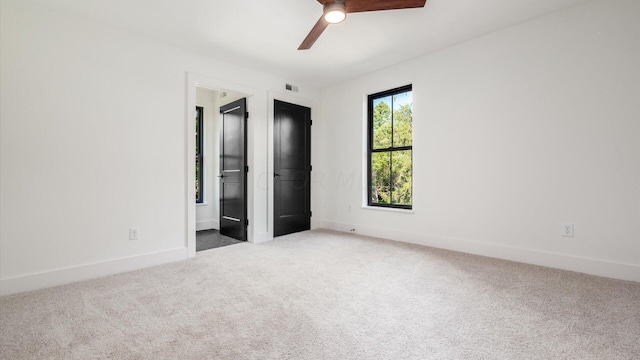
336 11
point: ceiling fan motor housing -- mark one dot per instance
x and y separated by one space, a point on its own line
335 12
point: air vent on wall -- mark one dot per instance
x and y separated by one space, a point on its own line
291 87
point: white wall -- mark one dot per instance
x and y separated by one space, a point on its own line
515 133
93 142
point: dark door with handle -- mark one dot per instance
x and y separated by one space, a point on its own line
292 168
233 170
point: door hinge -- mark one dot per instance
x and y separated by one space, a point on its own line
246 168
310 167
247 222
310 213
310 122
246 114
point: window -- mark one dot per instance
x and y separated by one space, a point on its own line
199 163
390 154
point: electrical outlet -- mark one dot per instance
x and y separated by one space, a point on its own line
134 233
567 230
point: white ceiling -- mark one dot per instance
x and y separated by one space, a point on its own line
264 35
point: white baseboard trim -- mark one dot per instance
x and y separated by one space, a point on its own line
590 266
89 271
260 238
207 224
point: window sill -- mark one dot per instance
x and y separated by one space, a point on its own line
202 204
403 211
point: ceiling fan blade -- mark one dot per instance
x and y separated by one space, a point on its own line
376 5
314 34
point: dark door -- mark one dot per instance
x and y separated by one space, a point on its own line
233 170
292 164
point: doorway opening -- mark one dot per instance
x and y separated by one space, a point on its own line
204 199
210 114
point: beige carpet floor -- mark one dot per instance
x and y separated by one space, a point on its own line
326 295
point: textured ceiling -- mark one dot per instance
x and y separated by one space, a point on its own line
264 35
